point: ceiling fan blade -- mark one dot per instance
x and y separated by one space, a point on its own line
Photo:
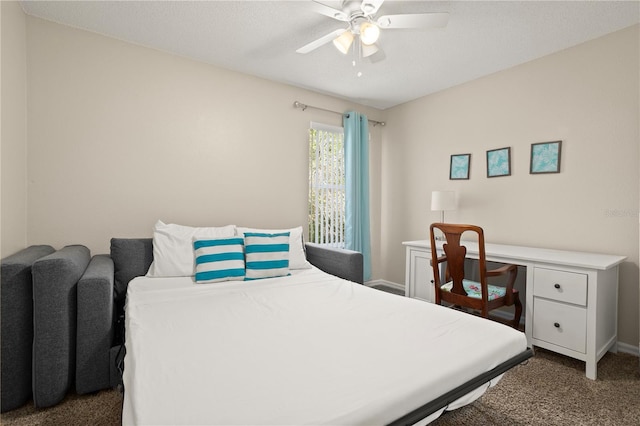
370 7
325 10
321 41
416 20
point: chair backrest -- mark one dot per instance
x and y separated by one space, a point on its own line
454 255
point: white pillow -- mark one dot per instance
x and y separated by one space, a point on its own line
173 248
297 257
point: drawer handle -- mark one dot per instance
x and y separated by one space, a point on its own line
556 324
556 285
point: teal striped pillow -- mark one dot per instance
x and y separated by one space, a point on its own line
219 260
267 255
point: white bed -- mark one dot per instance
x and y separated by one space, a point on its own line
309 348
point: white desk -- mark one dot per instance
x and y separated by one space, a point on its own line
571 305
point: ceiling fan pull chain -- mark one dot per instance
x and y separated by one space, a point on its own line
357 53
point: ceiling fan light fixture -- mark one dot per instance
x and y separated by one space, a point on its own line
343 42
369 49
369 33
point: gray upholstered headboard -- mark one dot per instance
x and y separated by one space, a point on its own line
342 263
131 258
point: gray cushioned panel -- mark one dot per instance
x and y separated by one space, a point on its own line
131 258
342 263
94 325
16 317
55 279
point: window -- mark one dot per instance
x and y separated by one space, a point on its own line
326 185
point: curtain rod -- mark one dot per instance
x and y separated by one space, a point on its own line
302 106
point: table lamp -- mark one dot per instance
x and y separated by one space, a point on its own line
443 200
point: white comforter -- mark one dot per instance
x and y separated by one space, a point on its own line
304 349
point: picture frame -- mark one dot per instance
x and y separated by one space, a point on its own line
459 167
499 162
545 157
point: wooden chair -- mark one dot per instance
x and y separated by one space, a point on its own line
457 290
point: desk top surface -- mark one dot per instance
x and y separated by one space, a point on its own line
523 255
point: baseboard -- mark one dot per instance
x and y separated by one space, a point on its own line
507 316
384 282
628 349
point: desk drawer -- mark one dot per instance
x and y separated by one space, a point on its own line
563 286
561 324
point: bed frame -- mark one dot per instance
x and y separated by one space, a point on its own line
449 397
132 258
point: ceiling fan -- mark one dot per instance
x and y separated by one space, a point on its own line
360 15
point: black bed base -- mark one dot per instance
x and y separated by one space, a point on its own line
444 400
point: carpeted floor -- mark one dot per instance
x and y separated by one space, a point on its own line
103 408
552 389
549 389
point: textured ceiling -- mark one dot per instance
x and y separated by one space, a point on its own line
261 37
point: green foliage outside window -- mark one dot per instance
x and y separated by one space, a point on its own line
326 187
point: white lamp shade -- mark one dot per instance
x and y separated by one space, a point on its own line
443 200
369 33
369 49
343 42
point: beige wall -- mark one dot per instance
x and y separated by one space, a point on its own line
13 129
586 96
121 136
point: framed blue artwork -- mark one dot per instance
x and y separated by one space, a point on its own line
499 162
545 157
459 167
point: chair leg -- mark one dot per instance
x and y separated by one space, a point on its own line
518 313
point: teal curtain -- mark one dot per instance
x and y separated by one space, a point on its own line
356 156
